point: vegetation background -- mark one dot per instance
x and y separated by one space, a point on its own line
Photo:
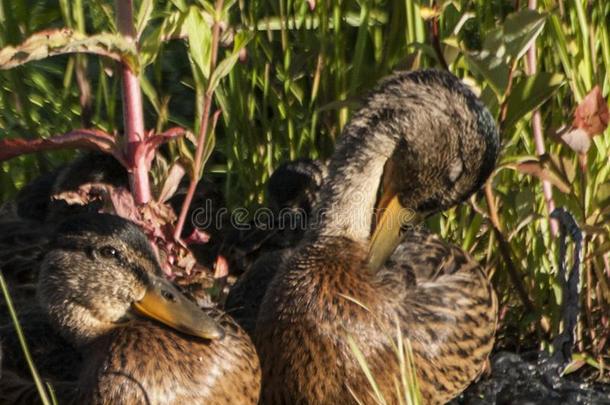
289 74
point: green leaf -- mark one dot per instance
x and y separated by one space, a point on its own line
529 93
504 45
150 92
226 65
493 69
144 13
521 29
152 40
180 5
200 40
489 98
62 41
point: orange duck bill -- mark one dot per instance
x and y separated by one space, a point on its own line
164 303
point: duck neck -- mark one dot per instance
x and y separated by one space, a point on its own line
349 193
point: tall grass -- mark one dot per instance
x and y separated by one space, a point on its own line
45 392
406 382
301 75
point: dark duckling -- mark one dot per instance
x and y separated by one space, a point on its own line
421 143
292 192
141 340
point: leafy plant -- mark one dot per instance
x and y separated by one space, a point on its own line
287 76
136 148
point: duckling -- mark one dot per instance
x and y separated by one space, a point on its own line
292 191
35 202
101 287
295 184
421 143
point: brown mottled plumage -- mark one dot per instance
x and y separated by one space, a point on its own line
421 143
99 285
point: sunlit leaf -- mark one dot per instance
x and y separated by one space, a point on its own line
505 44
61 41
172 181
144 13
520 30
493 69
528 94
226 65
199 39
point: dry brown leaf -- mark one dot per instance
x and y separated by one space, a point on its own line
590 119
539 169
172 181
197 237
221 267
592 115
79 138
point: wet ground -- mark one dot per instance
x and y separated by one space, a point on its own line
532 379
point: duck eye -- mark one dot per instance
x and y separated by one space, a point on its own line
109 252
168 295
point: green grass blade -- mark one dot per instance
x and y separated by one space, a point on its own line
44 397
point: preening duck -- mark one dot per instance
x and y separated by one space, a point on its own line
421 143
141 341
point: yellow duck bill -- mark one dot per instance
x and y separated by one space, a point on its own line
388 231
164 303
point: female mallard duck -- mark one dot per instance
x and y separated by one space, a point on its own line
421 143
101 287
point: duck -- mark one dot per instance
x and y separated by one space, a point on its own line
36 202
138 338
421 143
292 191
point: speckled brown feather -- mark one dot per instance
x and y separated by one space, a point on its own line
145 362
439 294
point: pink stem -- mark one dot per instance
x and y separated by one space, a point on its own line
547 189
133 115
203 128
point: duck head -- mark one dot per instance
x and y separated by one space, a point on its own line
100 271
421 143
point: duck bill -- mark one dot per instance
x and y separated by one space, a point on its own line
392 218
164 303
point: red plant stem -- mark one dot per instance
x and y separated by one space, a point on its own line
547 189
436 43
203 128
133 115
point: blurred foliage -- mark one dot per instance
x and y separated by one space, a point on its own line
290 73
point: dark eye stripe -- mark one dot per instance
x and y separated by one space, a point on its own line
140 273
79 245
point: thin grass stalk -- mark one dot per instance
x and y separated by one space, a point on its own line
133 115
360 358
24 346
203 128
547 189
